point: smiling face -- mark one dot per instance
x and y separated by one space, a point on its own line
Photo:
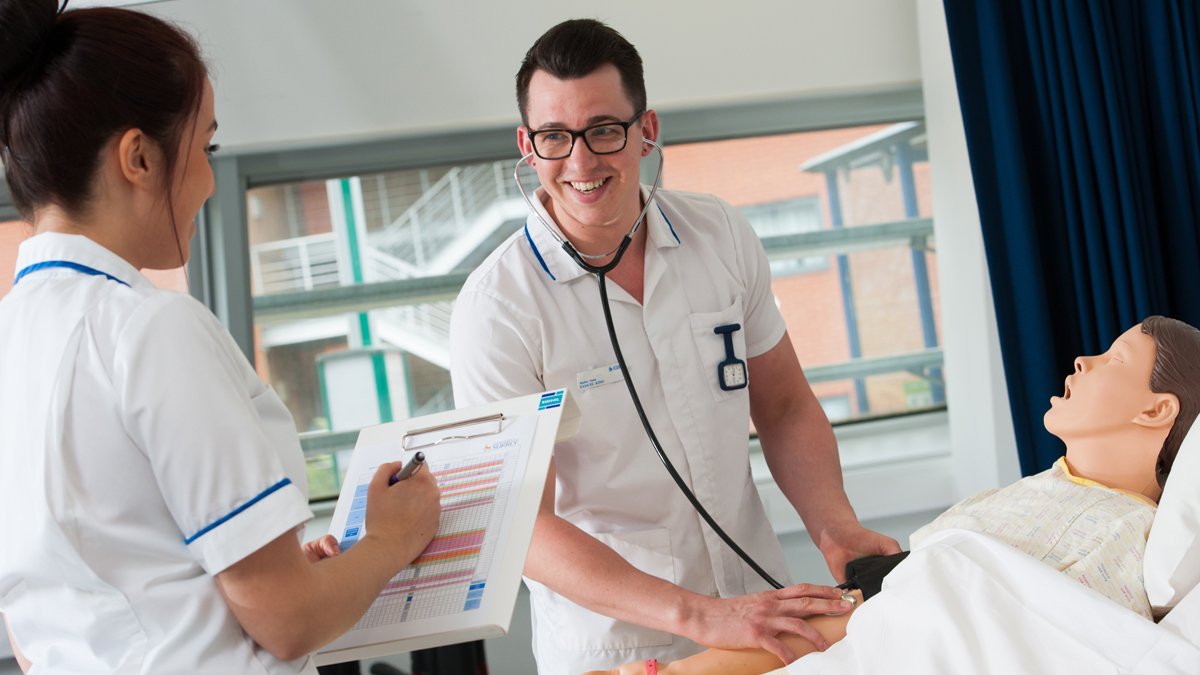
1111 422
593 198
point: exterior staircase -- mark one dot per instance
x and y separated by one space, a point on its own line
449 226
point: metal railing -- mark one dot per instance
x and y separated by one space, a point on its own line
427 322
298 264
412 298
465 202
448 209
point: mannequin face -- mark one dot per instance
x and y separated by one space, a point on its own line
1111 422
1106 392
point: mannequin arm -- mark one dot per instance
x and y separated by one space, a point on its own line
744 661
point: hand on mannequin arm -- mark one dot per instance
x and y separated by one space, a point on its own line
801 451
12 642
293 600
584 570
743 661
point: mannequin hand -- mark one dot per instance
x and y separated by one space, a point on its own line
757 620
840 545
319 549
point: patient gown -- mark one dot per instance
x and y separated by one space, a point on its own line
1092 533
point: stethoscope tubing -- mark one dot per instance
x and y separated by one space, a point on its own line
662 455
601 272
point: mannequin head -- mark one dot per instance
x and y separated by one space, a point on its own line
1124 413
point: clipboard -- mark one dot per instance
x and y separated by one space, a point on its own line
491 462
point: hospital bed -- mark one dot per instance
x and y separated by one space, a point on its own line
966 603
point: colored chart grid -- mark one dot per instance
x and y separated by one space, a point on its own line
450 574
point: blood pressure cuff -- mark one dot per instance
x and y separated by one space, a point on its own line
866 574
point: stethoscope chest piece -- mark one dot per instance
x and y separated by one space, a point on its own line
731 373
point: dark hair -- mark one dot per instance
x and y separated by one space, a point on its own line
71 81
1176 371
577 48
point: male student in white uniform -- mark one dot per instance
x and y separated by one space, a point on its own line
621 567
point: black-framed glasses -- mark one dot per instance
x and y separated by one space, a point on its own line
602 139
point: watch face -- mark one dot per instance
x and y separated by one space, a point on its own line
733 375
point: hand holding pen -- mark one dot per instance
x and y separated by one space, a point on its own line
403 509
414 464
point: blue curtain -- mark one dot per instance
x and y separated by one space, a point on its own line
1082 120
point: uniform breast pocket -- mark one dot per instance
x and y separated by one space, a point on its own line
580 629
720 339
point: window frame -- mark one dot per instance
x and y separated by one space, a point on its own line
220 265
8 210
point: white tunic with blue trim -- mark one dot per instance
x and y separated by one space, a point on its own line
140 455
529 319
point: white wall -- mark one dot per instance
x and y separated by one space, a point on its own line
981 433
305 72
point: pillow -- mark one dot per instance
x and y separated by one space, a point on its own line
1172 563
1184 620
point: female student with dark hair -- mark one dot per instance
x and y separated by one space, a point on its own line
151 485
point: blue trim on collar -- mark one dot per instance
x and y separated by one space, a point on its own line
243 507
537 253
669 226
67 264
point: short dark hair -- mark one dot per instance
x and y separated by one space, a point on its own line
577 48
1176 371
71 81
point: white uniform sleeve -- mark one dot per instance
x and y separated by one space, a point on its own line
764 324
189 401
493 353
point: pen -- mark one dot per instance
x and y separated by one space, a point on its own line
408 469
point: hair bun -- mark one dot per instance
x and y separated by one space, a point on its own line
25 24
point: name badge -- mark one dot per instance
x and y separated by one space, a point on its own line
598 377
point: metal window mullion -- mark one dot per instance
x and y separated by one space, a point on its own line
225 269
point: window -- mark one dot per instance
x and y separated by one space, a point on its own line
357 250
788 217
386 359
844 217
352 277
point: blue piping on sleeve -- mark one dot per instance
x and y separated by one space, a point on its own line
257 498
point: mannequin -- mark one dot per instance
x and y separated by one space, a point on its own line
1122 417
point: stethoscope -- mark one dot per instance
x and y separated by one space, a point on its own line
601 271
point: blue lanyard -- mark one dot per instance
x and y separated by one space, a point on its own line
67 264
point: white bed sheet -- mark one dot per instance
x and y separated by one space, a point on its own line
967 603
